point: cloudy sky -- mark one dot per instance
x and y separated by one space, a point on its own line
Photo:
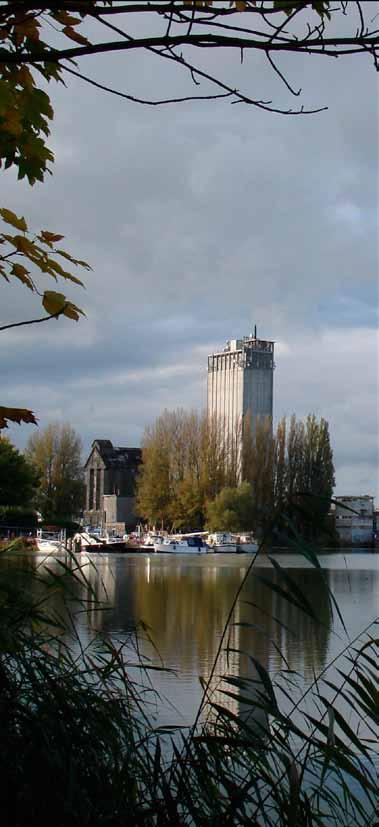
201 220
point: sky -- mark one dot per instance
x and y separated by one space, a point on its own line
201 220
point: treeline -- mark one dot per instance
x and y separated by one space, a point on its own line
48 477
193 477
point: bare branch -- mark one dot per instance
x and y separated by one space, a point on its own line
33 321
285 81
145 101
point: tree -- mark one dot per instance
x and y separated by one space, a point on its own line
311 475
231 510
303 474
184 465
56 454
153 482
36 45
18 478
291 472
171 31
258 450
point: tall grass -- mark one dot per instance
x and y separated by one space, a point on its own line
80 746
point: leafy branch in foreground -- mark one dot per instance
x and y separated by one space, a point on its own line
39 252
21 256
35 39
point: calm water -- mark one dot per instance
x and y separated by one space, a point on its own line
185 601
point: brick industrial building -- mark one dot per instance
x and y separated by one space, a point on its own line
110 475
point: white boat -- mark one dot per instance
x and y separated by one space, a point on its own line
222 541
50 542
47 546
185 545
246 544
83 539
112 539
150 540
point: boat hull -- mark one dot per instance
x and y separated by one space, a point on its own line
178 548
50 547
247 548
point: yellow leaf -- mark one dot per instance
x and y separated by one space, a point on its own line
11 218
74 279
22 244
74 35
83 264
25 78
72 311
28 28
15 415
11 123
22 274
66 19
49 237
53 302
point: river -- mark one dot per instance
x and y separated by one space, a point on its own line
184 601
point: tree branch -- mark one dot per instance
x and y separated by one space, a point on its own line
33 321
329 46
144 101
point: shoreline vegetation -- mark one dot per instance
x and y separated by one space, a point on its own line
81 745
197 472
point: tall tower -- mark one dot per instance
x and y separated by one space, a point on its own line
240 382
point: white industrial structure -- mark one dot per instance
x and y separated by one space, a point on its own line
240 383
355 519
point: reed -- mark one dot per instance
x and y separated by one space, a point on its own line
80 745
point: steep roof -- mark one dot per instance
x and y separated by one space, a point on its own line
116 457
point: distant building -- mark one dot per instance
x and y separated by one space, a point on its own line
110 475
355 519
241 383
376 525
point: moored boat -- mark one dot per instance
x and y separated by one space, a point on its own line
50 542
85 540
222 541
47 546
184 545
246 544
150 540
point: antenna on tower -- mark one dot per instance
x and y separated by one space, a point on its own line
255 331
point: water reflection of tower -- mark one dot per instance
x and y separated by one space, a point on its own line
99 583
294 636
235 661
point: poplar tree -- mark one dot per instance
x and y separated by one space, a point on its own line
55 452
304 473
258 468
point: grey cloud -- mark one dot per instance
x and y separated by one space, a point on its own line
200 221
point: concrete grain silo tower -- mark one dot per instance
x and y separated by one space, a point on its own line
240 383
